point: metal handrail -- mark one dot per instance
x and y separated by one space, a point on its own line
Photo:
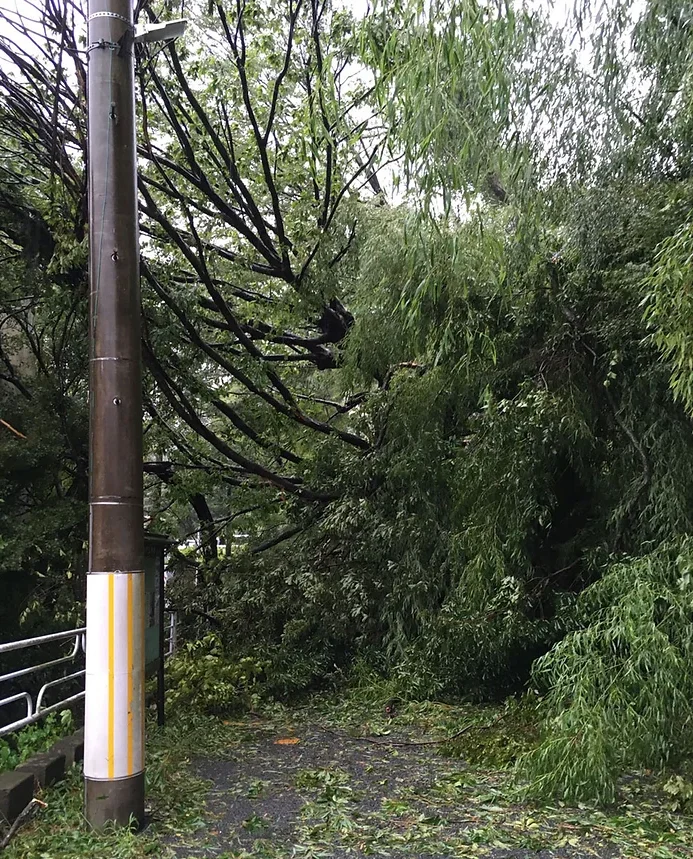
36 712
34 717
45 686
22 672
41 639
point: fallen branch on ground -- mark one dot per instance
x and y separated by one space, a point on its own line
449 739
24 817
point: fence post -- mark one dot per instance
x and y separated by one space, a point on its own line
160 674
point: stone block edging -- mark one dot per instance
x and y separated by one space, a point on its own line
18 786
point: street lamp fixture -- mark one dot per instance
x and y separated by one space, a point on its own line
160 32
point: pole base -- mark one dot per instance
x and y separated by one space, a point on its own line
118 801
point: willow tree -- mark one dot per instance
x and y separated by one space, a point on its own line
522 432
559 196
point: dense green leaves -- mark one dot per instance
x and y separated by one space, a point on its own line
669 305
394 275
619 689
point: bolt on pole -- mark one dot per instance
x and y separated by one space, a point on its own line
114 706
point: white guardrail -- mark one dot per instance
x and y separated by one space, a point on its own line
38 709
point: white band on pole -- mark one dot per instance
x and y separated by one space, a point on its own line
114 713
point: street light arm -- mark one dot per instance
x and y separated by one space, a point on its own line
160 32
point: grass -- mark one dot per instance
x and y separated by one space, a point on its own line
175 803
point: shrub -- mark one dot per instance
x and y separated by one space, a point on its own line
620 689
35 738
203 678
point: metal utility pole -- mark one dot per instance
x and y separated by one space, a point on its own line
114 709
114 704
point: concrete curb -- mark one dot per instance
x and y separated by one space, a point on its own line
72 747
18 786
46 768
16 792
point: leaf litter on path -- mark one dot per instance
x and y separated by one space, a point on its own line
326 793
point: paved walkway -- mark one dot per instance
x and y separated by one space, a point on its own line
312 792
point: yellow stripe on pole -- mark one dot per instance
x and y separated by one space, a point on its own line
111 676
131 669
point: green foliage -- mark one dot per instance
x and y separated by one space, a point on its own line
331 785
475 656
203 678
619 691
669 306
500 481
448 75
499 741
8 757
501 478
35 738
43 440
681 792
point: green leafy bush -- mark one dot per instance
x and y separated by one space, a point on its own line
8 756
681 792
620 689
501 741
35 738
668 306
474 655
203 678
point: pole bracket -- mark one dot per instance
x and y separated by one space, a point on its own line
103 44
